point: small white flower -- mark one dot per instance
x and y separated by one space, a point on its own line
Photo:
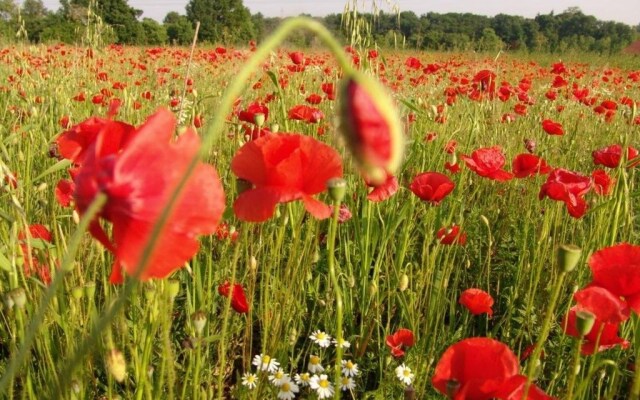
321 338
314 364
302 379
347 383
343 343
288 389
265 363
322 386
404 374
249 380
278 377
349 368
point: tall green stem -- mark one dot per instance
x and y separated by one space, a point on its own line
337 289
575 368
635 387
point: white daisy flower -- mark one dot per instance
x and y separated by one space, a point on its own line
322 386
278 377
265 363
349 368
404 374
302 379
249 380
343 343
288 389
321 338
314 364
347 383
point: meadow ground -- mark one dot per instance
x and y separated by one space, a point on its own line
506 159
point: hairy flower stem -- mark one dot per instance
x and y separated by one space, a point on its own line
542 338
34 327
575 368
337 289
222 346
635 387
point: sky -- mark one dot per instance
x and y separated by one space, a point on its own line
627 11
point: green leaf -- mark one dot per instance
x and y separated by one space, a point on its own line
5 264
274 79
62 164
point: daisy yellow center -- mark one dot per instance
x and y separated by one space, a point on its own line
406 372
321 336
345 380
285 387
251 379
323 383
279 374
304 377
349 364
266 359
315 360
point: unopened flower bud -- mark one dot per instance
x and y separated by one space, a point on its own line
568 257
174 288
275 128
253 263
75 216
584 322
77 292
337 188
199 319
116 365
371 126
404 282
19 297
90 289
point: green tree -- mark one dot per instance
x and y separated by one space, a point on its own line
154 33
178 28
489 41
119 15
221 20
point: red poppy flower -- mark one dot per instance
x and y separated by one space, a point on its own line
371 127
313 99
606 306
487 80
399 341
452 235
450 147
568 187
617 269
552 127
488 162
383 191
64 192
138 182
238 298
525 165
474 369
283 168
249 114
432 187
477 301
73 144
513 389
610 156
296 57
603 184
305 113
330 90
33 256
604 334
453 168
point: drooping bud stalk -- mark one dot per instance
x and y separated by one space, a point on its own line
371 126
199 319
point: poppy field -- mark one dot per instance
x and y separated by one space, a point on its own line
270 223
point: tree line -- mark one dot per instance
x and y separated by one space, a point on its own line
230 22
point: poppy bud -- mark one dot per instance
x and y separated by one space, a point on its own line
404 282
116 365
568 257
371 126
337 188
173 288
253 263
77 292
584 322
199 319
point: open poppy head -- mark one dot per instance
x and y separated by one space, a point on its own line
605 335
526 165
617 269
477 301
138 182
399 341
568 187
383 191
238 298
603 183
552 128
451 235
610 156
282 168
432 187
474 369
488 162
371 126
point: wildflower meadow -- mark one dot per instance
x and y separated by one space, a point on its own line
265 222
